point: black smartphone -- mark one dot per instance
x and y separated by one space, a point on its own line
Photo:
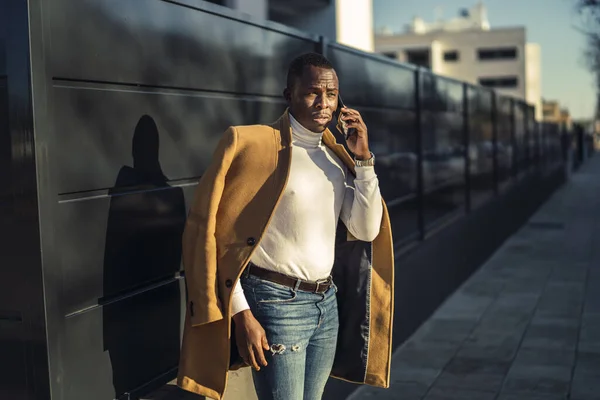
341 125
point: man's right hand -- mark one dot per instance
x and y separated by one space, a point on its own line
251 339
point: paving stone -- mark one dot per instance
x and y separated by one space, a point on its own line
561 300
438 330
500 353
424 376
472 365
464 307
545 356
444 393
538 380
525 286
587 346
514 303
515 330
540 320
550 336
521 396
592 300
484 285
472 381
503 323
569 273
423 355
403 391
588 364
585 388
487 334
590 328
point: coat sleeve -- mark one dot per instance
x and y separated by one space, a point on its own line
199 242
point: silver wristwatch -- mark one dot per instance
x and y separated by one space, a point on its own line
365 163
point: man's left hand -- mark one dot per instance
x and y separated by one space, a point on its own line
358 141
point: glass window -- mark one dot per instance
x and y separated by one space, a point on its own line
451 56
500 53
502 82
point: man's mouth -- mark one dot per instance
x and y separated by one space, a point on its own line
321 118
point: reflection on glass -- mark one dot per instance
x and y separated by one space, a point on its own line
505 148
392 140
443 148
481 145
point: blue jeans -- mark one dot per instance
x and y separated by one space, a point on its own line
302 329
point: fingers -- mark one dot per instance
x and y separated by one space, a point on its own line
256 353
260 356
252 360
348 113
353 124
352 118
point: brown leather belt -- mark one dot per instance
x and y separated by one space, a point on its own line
320 286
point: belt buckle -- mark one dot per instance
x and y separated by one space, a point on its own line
322 282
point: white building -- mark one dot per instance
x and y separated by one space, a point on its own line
350 25
468 49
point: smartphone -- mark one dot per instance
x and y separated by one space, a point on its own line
341 125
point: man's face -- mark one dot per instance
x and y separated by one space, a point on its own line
314 97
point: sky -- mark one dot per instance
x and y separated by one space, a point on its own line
550 23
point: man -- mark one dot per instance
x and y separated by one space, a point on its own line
281 214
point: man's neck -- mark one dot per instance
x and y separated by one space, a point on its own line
300 124
303 136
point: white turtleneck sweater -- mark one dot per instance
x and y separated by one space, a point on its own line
300 239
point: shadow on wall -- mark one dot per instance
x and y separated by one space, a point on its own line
143 247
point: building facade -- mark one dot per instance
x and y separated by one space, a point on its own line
348 22
468 49
553 113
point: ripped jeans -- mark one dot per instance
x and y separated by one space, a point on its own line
302 329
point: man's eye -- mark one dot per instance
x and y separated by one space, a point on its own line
331 94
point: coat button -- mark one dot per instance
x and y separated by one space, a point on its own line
251 241
228 283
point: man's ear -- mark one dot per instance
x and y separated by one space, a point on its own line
287 95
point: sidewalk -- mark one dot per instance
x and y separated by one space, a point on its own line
526 325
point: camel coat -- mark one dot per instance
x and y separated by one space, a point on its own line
233 204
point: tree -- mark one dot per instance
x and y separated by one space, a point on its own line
589 10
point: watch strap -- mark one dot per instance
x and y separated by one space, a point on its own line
365 163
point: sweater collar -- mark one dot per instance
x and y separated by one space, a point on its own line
302 136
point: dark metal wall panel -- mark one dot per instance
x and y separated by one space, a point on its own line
521 138
5 146
127 343
372 82
95 126
481 145
136 101
553 148
23 353
443 133
506 151
160 43
392 139
115 244
3 37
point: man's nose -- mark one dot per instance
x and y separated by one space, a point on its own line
321 102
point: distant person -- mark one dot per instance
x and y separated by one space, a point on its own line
291 215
